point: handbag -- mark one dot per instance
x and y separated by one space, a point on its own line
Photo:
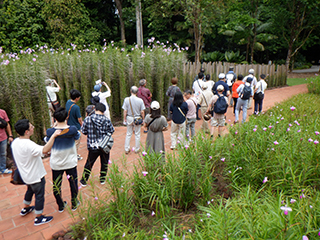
106 143
16 178
55 104
3 123
137 120
258 96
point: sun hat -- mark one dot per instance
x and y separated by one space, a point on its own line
222 76
155 105
220 88
251 70
97 87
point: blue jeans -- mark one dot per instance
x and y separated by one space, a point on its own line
241 103
258 106
3 155
190 124
38 190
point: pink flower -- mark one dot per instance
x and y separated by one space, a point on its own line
210 157
299 130
272 134
315 141
153 213
132 149
34 59
144 153
292 108
208 215
254 129
288 129
96 198
232 145
282 118
286 209
264 129
290 125
316 132
304 237
68 176
109 162
310 140
236 133
270 127
302 196
222 159
265 180
144 173
186 146
292 201
275 143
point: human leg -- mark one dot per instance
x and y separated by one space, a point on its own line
57 182
256 105
128 137
3 155
192 126
182 131
92 157
72 176
238 107
187 128
174 133
137 131
38 189
104 159
260 105
235 100
244 109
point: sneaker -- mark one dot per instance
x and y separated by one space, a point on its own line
26 210
6 171
61 209
127 152
102 182
79 157
76 206
42 220
83 184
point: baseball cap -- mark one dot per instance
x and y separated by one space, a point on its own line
155 105
220 88
222 75
97 87
251 70
249 79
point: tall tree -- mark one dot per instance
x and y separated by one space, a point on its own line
122 27
139 23
295 20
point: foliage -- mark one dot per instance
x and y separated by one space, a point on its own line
314 85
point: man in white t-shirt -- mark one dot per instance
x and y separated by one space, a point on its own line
103 96
27 155
133 107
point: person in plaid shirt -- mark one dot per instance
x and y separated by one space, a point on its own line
103 126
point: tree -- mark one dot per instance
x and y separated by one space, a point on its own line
139 27
295 20
123 32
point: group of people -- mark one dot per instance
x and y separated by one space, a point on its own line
63 139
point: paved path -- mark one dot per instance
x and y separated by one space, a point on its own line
313 69
13 226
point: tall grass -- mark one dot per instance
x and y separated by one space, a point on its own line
232 188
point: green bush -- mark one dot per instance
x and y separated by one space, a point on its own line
314 85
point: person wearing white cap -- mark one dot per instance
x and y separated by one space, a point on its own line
156 124
219 102
222 81
253 84
102 95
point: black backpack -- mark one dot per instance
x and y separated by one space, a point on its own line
221 105
246 92
3 123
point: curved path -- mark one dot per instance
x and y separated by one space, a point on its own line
13 226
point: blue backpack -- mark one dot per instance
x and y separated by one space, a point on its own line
221 105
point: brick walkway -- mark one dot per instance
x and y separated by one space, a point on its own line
13 226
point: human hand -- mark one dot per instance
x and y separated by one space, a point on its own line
125 123
56 133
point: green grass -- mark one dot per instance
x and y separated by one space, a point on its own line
296 81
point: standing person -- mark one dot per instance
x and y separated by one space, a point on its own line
222 81
27 155
230 79
209 82
74 115
191 114
259 94
253 84
63 158
96 127
179 109
145 94
197 89
220 106
235 94
133 107
102 96
170 93
156 124
245 92
52 87
204 99
4 129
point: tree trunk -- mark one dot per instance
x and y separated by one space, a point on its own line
122 28
288 57
139 23
197 41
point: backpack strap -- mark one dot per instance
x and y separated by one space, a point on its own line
69 111
181 112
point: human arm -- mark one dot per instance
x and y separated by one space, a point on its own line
125 112
49 144
80 121
55 82
8 129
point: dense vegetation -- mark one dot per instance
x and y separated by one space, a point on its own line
258 30
258 182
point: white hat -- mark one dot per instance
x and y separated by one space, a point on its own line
251 71
155 105
222 76
220 88
204 85
98 81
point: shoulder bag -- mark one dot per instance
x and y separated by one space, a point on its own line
136 120
258 96
106 143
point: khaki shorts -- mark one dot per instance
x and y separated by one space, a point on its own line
218 122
